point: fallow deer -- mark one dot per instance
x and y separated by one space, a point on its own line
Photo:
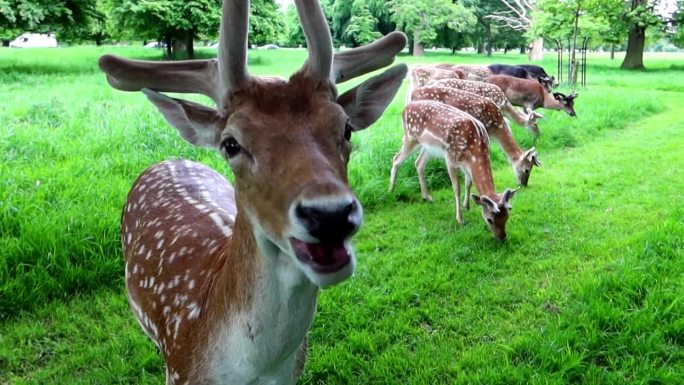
521 72
421 75
494 93
531 95
446 132
225 281
490 115
473 72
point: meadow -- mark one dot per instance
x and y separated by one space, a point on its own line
588 289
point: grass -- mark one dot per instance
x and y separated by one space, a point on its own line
588 289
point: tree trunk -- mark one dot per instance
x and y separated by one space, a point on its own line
418 49
490 43
189 44
169 46
572 76
634 59
481 47
612 51
537 50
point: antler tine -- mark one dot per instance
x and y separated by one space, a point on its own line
189 76
232 56
318 38
359 61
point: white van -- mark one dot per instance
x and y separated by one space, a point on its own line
34 40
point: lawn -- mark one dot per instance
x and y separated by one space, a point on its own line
589 288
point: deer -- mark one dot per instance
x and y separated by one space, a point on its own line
531 95
473 72
446 132
490 115
494 93
224 279
521 72
421 75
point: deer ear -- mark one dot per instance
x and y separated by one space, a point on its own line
529 154
484 201
365 103
196 123
508 195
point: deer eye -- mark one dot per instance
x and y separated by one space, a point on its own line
231 147
490 221
348 128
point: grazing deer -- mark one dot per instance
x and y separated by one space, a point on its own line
473 72
225 281
494 93
490 115
522 73
531 95
443 131
421 75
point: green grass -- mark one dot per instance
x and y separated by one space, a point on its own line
588 289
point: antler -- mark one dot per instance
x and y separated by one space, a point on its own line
318 38
204 76
188 76
232 56
359 61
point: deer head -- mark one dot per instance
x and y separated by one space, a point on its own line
496 213
287 142
566 102
523 165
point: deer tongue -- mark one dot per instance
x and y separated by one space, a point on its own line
324 257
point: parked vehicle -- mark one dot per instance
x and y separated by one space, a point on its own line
34 40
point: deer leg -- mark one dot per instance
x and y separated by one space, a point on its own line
453 175
468 185
407 147
422 160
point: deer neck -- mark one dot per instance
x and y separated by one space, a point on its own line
481 172
516 114
508 144
273 312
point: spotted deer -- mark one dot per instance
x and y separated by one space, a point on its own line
531 95
421 75
493 93
446 132
490 115
225 280
473 72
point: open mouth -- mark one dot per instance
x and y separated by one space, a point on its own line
323 257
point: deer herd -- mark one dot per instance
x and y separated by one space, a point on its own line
224 279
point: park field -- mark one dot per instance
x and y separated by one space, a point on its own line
588 289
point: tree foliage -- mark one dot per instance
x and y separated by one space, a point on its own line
422 19
42 16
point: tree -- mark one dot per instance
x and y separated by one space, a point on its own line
639 16
362 26
173 21
43 16
266 24
518 17
422 19
568 20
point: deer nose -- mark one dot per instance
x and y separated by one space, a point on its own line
329 222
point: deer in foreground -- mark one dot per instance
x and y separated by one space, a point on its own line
494 93
531 95
490 115
446 132
225 281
